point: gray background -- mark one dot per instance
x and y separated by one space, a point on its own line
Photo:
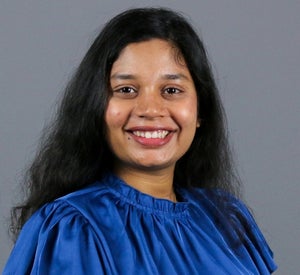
254 46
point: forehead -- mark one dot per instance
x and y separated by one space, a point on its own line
153 54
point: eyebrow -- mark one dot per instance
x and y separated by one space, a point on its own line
175 76
122 76
165 76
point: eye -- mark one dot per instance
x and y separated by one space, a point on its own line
171 91
126 90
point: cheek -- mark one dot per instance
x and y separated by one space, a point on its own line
188 115
113 116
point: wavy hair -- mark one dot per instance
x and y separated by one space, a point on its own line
74 153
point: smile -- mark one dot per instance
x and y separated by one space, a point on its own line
151 134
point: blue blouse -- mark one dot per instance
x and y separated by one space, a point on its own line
111 228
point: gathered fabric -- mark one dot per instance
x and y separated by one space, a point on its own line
111 228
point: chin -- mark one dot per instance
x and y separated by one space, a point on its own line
156 166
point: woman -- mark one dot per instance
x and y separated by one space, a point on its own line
135 175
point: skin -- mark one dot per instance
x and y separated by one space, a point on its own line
151 117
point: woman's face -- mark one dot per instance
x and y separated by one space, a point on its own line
151 117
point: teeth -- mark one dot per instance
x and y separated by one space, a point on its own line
151 134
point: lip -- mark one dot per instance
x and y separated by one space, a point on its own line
151 141
149 128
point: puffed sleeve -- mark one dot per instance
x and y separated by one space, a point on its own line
56 240
255 249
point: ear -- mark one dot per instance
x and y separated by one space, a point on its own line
198 123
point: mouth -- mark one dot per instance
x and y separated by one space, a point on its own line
160 134
151 138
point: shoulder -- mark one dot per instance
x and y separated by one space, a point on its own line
215 199
81 204
69 213
224 208
72 211
237 225
68 205
65 224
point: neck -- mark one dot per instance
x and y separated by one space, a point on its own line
158 184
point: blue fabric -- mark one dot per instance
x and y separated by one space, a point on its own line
111 228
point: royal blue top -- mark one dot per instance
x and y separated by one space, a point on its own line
112 228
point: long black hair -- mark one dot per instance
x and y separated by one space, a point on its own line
74 153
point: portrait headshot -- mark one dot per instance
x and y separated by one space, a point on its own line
149 137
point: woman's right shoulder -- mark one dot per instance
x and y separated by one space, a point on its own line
78 203
64 209
62 225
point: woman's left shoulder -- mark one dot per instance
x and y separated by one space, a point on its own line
233 215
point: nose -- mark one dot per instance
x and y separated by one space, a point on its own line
150 104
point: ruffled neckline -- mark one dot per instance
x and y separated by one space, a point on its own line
134 197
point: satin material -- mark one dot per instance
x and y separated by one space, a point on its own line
111 228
